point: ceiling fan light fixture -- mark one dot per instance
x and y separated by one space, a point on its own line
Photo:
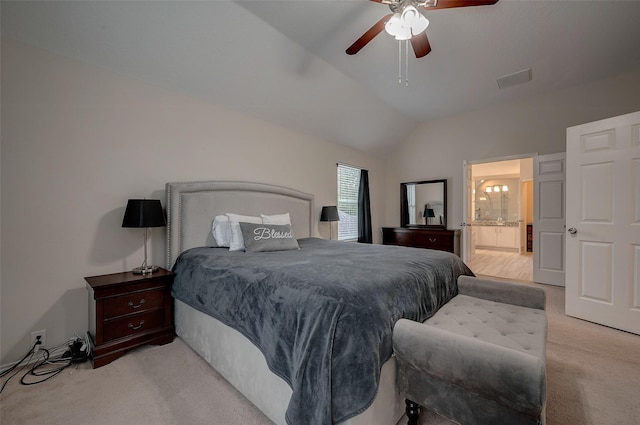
404 35
404 25
415 20
409 14
420 25
395 27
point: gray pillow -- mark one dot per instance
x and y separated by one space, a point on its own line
268 237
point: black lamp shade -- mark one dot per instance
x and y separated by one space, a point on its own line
144 213
428 212
329 214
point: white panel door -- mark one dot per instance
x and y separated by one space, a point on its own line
549 219
603 217
467 205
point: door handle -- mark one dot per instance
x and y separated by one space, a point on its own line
572 230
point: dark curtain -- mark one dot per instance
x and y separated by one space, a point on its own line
365 234
404 205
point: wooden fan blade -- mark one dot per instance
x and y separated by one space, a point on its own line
448 4
420 44
368 36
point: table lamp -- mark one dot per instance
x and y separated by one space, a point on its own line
144 213
428 213
330 214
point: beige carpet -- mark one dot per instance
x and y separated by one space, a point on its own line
593 378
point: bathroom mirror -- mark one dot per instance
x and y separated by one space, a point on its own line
423 203
496 199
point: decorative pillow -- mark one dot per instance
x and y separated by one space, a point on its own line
268 237
237 243
276 219
221 230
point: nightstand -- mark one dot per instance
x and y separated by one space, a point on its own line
127 310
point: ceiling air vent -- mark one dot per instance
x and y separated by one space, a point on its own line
514 79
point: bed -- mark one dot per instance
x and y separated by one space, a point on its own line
232 348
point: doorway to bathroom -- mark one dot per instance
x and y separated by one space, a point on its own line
499 225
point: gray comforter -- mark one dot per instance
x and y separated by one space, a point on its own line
322 315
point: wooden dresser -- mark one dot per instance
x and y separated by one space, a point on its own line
423 237
127 310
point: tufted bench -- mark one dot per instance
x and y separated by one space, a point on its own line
480 359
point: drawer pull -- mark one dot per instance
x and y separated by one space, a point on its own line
432 240
135 328
136 305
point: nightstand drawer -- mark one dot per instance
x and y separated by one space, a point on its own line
133 303
133 324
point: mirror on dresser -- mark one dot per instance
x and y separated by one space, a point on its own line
423 204
423 218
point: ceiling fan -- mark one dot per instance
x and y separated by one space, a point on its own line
407 23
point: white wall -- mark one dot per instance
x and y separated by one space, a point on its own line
78 141
437 149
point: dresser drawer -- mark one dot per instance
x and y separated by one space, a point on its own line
434 241
131 325
423 237
404 239
133 303
399 237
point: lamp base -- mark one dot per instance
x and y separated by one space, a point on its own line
145 270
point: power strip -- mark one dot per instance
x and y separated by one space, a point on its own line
78 351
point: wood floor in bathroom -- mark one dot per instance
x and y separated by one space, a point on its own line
508 265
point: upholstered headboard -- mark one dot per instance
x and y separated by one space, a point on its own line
192 206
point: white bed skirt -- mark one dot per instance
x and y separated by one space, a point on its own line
244 366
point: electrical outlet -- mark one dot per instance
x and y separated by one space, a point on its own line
43 339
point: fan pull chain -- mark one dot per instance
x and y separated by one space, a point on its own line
399 62
406 66
406 58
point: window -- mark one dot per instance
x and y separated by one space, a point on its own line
348 183
411 201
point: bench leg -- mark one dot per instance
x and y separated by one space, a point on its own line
413 412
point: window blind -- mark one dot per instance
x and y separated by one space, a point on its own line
348 181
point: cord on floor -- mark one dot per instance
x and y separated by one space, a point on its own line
53 362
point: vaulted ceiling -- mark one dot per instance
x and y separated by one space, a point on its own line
285 61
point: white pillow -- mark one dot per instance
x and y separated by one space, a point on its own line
237 242
221 230
276 219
